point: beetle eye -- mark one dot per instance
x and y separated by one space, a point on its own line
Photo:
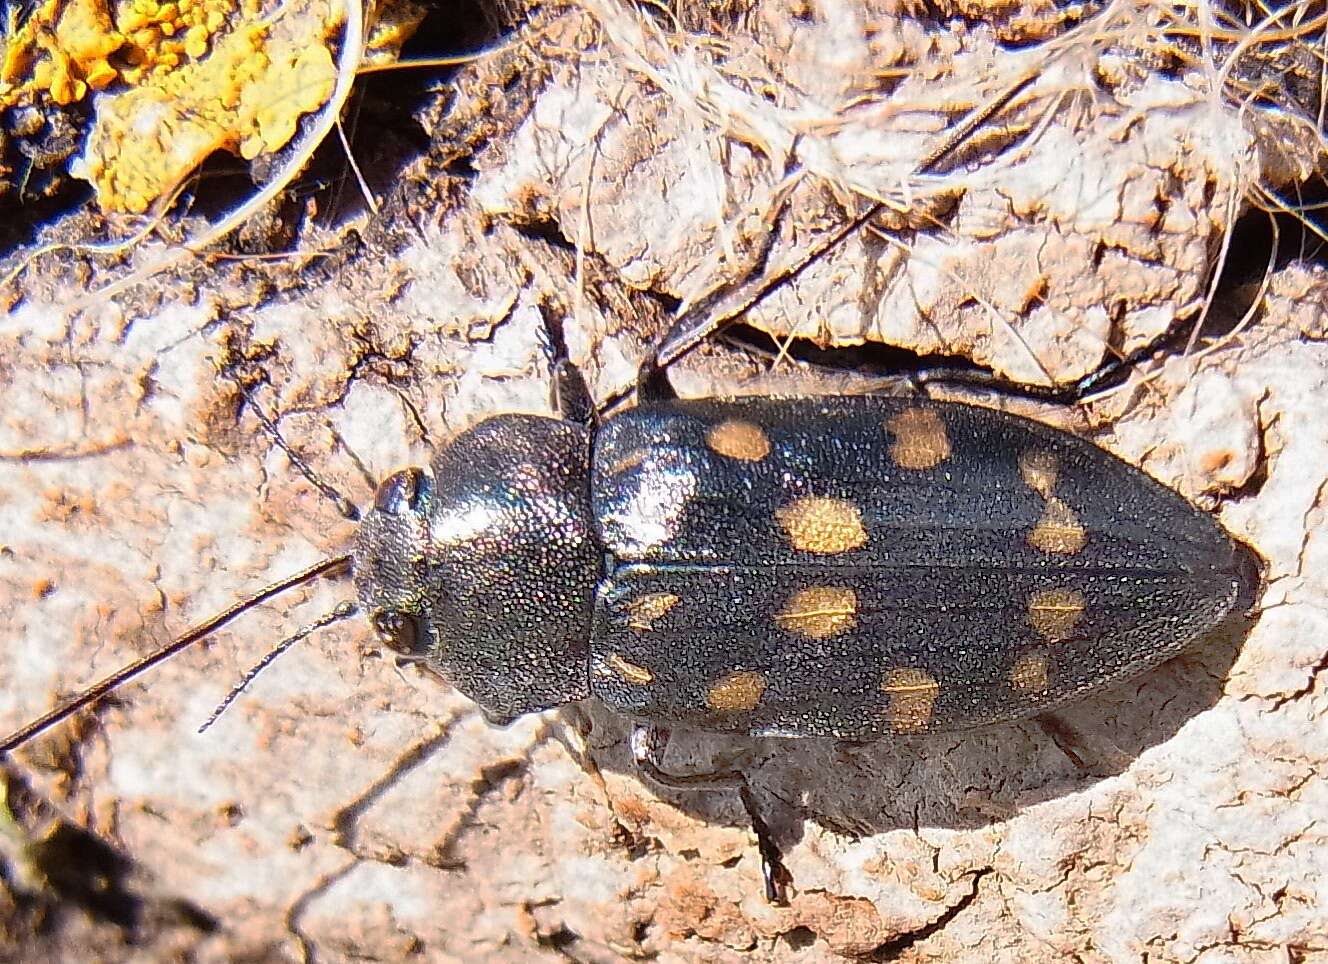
398 631
401 490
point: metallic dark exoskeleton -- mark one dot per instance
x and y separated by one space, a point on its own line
858 568
850 567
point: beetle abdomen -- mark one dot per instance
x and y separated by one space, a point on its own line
855 567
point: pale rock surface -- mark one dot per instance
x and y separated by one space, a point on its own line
345 808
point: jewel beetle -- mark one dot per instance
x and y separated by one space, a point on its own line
846 567
856 568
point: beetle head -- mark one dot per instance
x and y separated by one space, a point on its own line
485 566
391 574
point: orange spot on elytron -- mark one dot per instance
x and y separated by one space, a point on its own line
738 439
630 672
820 612
912 695
822 525
1059 531
1040 469
1055 612
920 439
1030 674
628 462
736 693
644 610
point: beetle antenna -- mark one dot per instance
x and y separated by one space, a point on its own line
344 611
345 507
94 693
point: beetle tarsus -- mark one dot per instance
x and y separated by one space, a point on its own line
652 383
773 872
344 506
649 744
571 395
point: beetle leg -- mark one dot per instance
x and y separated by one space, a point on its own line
571 396
773 872
345 507
652 382
1109 374
649 743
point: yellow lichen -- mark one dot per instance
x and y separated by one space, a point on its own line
247 96
60 50
162 36
395 22
180 80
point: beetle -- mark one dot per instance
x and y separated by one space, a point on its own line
855 568
848 567
844 567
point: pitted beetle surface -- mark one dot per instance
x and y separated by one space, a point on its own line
862 568
855 567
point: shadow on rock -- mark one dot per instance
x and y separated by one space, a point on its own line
64 886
